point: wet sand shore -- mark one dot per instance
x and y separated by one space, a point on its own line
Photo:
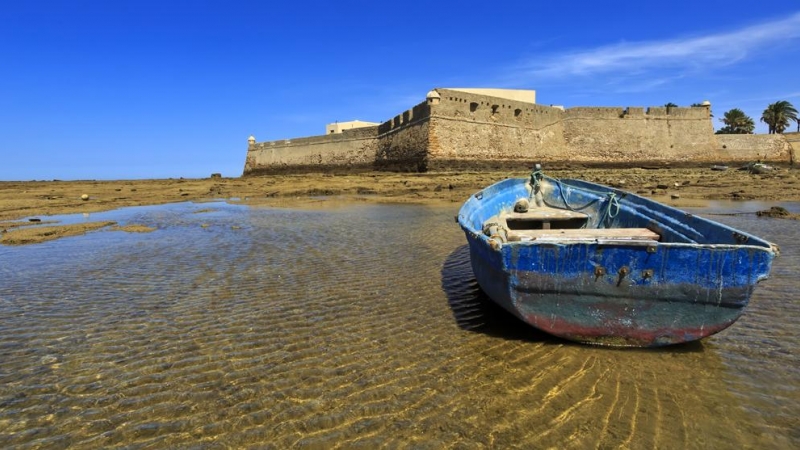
675 186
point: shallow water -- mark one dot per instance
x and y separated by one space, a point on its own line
355 326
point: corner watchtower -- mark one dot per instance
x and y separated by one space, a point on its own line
433 97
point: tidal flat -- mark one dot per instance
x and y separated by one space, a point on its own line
678 186
353 323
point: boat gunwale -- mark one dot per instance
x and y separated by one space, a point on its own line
761 243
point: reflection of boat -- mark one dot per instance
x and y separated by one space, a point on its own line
595 264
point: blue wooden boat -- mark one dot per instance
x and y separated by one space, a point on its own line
594 264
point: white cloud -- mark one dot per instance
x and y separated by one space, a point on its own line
772 97
713 50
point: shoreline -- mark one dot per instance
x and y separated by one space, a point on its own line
680 187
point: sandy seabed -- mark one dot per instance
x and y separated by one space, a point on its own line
215 336
37 199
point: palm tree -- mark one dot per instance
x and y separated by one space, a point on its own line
778 115
670 105
737 122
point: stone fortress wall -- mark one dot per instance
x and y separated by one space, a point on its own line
468 129
351 149
636 134
755 147
794 145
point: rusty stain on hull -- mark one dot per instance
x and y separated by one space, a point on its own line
623 336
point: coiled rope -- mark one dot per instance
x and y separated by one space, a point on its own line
613 204
612 207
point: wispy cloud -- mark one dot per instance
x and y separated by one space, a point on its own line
772 97
640 85
713 50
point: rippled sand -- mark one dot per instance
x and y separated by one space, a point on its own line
360 326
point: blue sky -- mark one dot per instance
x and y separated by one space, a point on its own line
158 89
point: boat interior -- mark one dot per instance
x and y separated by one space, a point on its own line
548 209
546 223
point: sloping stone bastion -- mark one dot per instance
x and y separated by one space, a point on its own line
464 129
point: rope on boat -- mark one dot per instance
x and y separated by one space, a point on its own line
612 207
564 198
536 176
613 203
536 183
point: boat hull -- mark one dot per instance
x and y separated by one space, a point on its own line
558 289
640 294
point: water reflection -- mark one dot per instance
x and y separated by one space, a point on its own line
359 326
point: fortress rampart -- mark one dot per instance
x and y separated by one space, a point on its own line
755 147
351 149
458 130
471 130
404 140
677 135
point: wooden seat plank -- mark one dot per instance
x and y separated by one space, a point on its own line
584 234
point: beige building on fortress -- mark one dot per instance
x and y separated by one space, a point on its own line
338 127
469 128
